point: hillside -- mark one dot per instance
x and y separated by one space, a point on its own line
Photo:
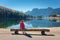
10 17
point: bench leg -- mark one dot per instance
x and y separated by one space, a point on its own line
43 33
16 32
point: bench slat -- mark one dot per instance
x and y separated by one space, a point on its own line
31 30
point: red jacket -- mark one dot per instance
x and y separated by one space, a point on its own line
22 26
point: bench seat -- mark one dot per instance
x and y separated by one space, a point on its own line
42 30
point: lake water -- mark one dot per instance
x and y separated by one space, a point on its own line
44 23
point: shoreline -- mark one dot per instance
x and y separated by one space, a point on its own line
31 27
34 28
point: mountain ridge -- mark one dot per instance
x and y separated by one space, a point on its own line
44 12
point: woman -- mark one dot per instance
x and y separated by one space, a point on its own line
22 26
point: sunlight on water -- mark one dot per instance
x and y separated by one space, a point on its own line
18 26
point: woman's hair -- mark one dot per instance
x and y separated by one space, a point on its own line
22 21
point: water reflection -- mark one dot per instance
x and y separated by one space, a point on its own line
7 23
31 23
55 20
44 23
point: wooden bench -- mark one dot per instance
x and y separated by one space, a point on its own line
42 30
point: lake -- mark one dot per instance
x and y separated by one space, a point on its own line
44 23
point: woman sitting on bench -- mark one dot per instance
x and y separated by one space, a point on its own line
22 26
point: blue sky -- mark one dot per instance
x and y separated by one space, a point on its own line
25 5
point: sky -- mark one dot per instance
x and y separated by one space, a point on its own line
25 5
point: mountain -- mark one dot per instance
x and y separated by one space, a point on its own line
10 14
44 12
